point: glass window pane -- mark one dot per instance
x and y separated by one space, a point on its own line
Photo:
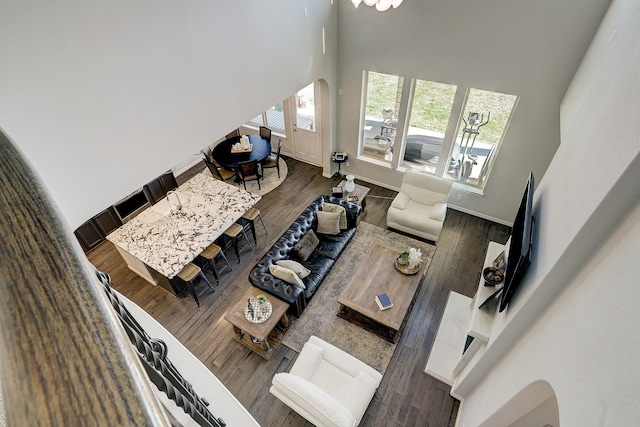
484 122
257 120
305 109
275 118
428 122
384 93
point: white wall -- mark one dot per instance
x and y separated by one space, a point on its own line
105 96
577 310
529 49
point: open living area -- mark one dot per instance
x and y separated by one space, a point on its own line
345 213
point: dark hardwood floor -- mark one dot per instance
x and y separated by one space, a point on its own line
406 397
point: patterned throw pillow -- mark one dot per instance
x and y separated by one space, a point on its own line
305 246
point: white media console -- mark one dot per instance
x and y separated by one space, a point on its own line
463 325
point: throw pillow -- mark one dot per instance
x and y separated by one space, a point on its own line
294 266
305 246
286 275
330 207
328 222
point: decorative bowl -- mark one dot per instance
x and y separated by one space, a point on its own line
492 276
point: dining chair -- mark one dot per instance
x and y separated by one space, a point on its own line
273 161
250 171
265 133
233 134
219 172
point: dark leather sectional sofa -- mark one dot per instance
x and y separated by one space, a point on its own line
320 262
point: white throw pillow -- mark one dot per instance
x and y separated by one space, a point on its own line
330 207
294 266
328 222
287 275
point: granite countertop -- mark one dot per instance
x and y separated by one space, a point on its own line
167 238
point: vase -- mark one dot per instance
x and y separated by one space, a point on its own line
350 185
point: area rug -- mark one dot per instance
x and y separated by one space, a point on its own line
320 317
269 182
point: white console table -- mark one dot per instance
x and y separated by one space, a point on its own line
463 321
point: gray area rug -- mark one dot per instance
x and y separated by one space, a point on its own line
320 317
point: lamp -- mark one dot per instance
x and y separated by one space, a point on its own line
380 5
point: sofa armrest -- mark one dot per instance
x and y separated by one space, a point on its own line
400 201
310 401
438 211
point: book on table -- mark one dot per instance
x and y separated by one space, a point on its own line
383 301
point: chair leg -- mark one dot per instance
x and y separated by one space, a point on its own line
212 262
206 280
193 292
226 260
247 239
252 225
265 228
234 241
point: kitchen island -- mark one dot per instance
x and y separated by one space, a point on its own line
165 237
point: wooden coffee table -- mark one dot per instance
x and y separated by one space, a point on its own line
376 274
262 338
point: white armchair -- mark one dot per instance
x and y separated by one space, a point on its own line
421 205
327 386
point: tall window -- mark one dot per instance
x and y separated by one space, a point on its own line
382 102
433 139
428 121
482 126
272 118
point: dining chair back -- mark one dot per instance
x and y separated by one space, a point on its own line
233 134
219 173
250 171
274 161
265 133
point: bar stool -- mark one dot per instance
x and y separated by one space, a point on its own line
233 233
210 254
188 275
249 218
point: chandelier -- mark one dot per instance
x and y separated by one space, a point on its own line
381 5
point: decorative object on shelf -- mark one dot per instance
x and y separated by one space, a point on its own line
381 5
258 309
492 276
409 260
350 185
337 191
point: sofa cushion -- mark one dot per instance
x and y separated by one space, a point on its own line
320 267
359 394
305 246
328 222
287 275
313 399
330 207
331 246
294 266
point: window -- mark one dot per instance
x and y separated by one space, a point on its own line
431 137
272 118
382 103
305 108
481 130
428 121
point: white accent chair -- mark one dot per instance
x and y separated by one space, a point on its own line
421 205
327 386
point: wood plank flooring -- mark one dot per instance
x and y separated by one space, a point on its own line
406 397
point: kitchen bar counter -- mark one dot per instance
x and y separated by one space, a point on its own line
170 234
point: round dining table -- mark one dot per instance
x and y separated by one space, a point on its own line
223 155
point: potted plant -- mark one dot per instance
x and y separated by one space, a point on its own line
262 299
404 257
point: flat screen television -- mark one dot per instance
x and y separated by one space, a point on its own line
519 253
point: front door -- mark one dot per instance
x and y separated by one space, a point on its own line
307 143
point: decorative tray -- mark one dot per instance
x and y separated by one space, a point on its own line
404 268
261 312
235 149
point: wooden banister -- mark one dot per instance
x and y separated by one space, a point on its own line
64 356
